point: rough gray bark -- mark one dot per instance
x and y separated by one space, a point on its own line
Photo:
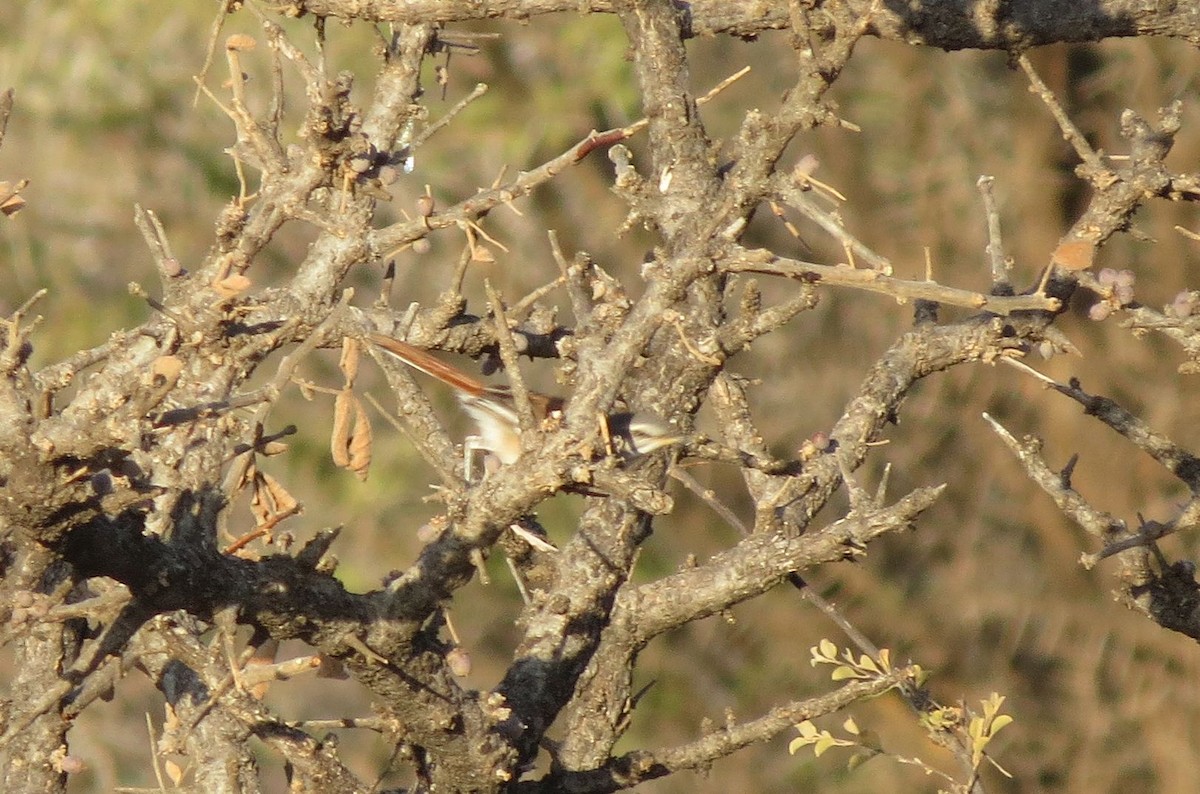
114 489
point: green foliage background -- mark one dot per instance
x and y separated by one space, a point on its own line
987 593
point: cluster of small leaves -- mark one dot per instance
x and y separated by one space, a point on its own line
820 740
980 728
848 668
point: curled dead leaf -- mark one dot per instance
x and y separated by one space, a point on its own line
249 474
272 448
10 199
339 440
272 499
348 363
360 442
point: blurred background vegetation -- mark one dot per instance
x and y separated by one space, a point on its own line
987 593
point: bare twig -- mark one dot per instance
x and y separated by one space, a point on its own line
478 91
1097 171
1001 265
508 354
395 237
1171 456
762 261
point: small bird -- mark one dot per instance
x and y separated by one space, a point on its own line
495 415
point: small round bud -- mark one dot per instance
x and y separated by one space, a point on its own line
425 205
816 444
459 662
421 246
1100 311
1183 305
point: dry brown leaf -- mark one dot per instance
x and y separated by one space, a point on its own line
240 41
272 448
10 200
1074 254
248 476
167 367
232 286
12 205
348 363
271 502
281 500
339 440
260 506
173 770
360 442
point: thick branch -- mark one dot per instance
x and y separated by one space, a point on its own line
757 564
948 26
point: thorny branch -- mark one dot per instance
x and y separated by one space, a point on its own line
126 479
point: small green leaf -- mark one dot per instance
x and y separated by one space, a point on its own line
844 672
806 728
